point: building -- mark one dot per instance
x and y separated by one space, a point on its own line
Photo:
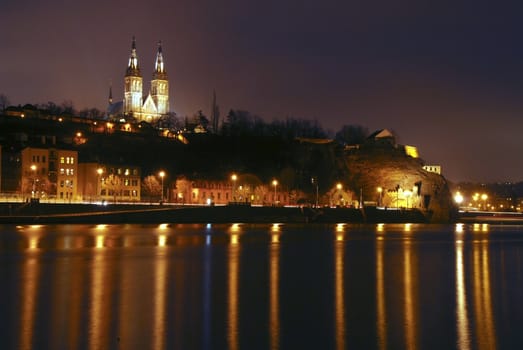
142 107
108 183
433 169
48 173
206 192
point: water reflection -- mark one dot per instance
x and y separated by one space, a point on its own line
381 317
99 303
30 275
461 297
233 292
339 288
274 292
148 287
160 297
485 330
411 294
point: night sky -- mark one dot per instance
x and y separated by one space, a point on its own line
446 76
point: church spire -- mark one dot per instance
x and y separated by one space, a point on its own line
111 93
159 69
133 69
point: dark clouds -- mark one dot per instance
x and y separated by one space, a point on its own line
445 75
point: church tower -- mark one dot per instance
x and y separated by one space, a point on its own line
133 95
160 84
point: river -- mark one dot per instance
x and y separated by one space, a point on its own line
267 286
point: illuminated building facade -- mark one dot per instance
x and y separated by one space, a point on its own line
49 173
135 105
109 183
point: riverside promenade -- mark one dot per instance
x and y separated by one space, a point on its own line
47 213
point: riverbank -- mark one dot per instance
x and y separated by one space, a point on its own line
46 213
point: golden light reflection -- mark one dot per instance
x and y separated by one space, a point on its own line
380 227
275 238
234 239
160 297
459 228
101 227
97 319
33 242
163 226
233 293
274 280
340 227
410 297
235 228
30 273
162 240
339 293
461 300
275 227
408 227
482 297
100 239
484 228
381 317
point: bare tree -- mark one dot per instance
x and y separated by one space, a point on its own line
151 187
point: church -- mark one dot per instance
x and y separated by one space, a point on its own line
135 104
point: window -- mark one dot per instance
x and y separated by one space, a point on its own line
43 159
62 160
62 183
62 171
126 182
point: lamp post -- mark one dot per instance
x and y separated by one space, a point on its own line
233 178
33 168
275 184
484 198
380 191
99 171
162 174
339 187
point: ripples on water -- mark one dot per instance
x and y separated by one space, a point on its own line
385 286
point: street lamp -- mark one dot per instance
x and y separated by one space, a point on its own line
233 178
33 168
99 171
484 198
162 174
275 184
380 191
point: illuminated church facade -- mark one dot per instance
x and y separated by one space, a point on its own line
135 104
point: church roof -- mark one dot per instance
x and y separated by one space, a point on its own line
115 108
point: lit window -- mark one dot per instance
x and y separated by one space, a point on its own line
62 160
62 171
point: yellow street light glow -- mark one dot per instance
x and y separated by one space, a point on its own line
339 186
458 198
